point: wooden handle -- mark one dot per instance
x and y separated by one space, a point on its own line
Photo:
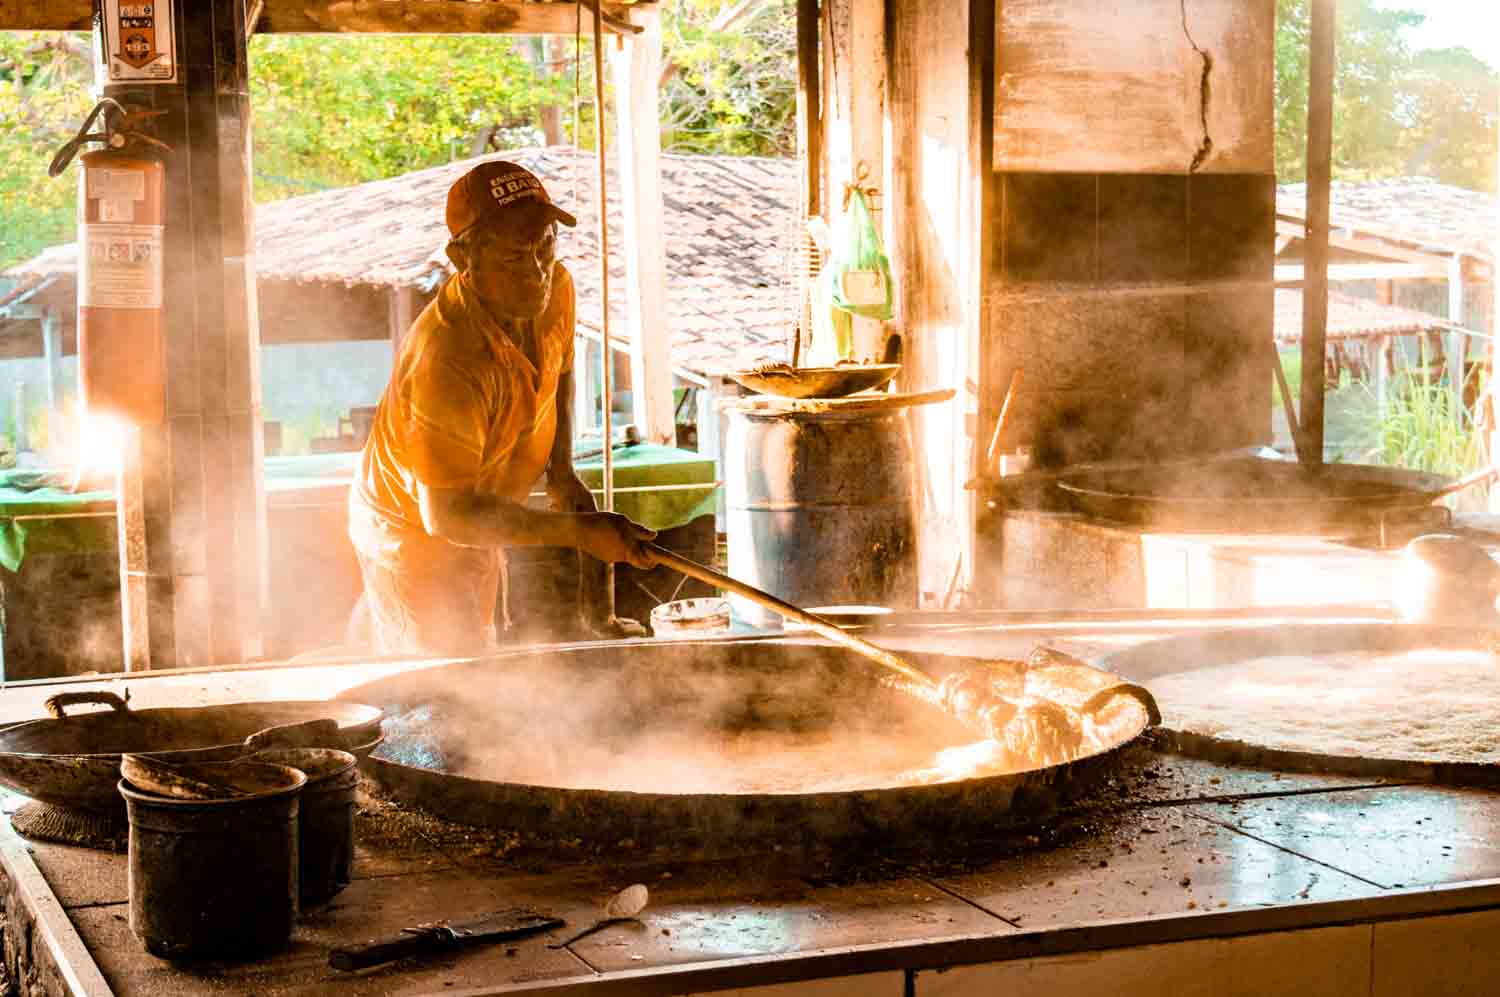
56 703
813 622
1466 481
353 957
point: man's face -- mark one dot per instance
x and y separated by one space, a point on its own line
510 265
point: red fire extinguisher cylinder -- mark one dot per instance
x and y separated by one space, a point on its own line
121 366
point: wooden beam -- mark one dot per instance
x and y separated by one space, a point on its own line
425 17
1315 248
20 340
472 17
636 67
1292 273
1296 228
53 15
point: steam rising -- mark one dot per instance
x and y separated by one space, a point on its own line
743 718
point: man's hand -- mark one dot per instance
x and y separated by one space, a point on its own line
611 537
567 493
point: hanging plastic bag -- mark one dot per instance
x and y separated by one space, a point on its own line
858 272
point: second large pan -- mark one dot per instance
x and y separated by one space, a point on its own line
73 760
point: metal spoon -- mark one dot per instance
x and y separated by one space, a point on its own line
623 906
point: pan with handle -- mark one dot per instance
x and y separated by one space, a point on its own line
72 759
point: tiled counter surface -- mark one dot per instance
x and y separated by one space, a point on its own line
1206 880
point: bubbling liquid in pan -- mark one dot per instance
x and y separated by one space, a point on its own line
1433 705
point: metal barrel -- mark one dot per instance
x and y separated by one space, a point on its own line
213 879
819 508
325 820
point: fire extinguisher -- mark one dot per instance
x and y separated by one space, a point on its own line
121 222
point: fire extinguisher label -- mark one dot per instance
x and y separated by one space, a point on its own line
140 41
120 266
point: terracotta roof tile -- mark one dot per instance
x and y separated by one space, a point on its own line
1414 210
727 221
1349 317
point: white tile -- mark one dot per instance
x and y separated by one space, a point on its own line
1325 962
1318 962
891 984
1455 956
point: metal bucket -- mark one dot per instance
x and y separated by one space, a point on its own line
325 835
213 878
819 508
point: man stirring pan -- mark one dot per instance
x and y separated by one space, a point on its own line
478 407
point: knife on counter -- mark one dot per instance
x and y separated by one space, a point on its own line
440 936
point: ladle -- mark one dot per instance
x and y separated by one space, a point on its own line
623 906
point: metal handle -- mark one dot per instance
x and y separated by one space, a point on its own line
56 702
1104 696
320 733
818 624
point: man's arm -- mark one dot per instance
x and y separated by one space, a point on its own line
462 517
565 490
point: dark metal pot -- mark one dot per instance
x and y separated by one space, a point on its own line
214 878
325 825
74 761
1243 494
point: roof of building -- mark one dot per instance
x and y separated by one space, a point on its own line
1350 317
727 222
1415 211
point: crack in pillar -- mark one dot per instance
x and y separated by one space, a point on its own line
1206 146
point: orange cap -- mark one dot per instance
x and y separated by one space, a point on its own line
487 189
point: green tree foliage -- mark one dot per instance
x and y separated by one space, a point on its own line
332 111
336 110
44 94
1396 113
734 89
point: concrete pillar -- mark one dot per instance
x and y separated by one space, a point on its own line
200 557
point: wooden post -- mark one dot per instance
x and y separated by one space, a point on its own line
809 106
585 416
52 350
853 100
136 582
400 308
1458 343
18 418
636 66
1315 245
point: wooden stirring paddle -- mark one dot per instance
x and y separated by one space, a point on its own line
1039 730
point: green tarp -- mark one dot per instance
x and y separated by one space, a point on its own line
39 515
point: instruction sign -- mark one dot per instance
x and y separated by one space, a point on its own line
120 266
140 41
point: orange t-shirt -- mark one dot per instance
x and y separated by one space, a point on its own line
465 408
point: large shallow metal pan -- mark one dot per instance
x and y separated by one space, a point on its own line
816 382
1244 494
553 703
73 759
1149 662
